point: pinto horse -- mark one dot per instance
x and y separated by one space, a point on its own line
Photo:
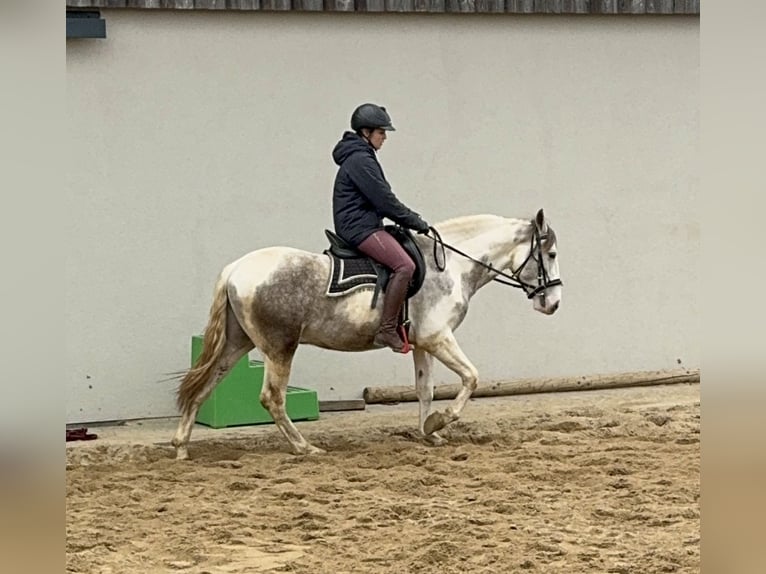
274 299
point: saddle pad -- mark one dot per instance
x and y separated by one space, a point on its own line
347 275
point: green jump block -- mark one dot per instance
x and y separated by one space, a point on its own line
236 399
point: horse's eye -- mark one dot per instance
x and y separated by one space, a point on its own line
552 255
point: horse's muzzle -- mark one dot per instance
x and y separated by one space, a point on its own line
547 309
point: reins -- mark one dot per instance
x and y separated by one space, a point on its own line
512 280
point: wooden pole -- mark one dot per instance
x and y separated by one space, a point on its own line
374 395
349 405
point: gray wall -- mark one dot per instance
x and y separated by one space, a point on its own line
196 137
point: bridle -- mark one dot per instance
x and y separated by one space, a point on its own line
514 279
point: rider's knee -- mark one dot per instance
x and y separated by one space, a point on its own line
406 268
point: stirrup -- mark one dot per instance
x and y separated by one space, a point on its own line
402 330
402 348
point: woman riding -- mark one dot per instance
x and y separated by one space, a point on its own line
361 199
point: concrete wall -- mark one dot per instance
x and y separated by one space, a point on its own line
196 137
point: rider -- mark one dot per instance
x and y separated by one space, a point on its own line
361 199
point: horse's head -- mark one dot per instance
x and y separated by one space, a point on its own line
536 266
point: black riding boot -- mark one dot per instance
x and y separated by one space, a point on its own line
396 292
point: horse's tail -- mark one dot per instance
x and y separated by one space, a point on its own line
214 341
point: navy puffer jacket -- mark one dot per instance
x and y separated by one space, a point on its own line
362 197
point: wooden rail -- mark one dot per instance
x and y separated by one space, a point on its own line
394 394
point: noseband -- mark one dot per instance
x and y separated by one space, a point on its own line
514 279
543 281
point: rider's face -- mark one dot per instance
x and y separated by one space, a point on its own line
376 137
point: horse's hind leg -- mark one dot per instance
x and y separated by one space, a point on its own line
424 388
236 346
452 356
273 397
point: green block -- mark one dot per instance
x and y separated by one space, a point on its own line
236 399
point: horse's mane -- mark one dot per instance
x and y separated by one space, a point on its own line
466 226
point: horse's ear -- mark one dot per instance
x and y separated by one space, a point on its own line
540 221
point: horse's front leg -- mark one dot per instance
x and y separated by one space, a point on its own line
452 356
424 388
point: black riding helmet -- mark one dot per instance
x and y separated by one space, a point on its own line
371 116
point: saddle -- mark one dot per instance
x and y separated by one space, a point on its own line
351 269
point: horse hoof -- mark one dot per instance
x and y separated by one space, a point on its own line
435 421
435 439
182 454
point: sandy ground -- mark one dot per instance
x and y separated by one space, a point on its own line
596 481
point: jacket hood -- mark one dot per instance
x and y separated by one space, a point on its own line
350 144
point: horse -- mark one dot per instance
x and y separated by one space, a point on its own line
274 299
